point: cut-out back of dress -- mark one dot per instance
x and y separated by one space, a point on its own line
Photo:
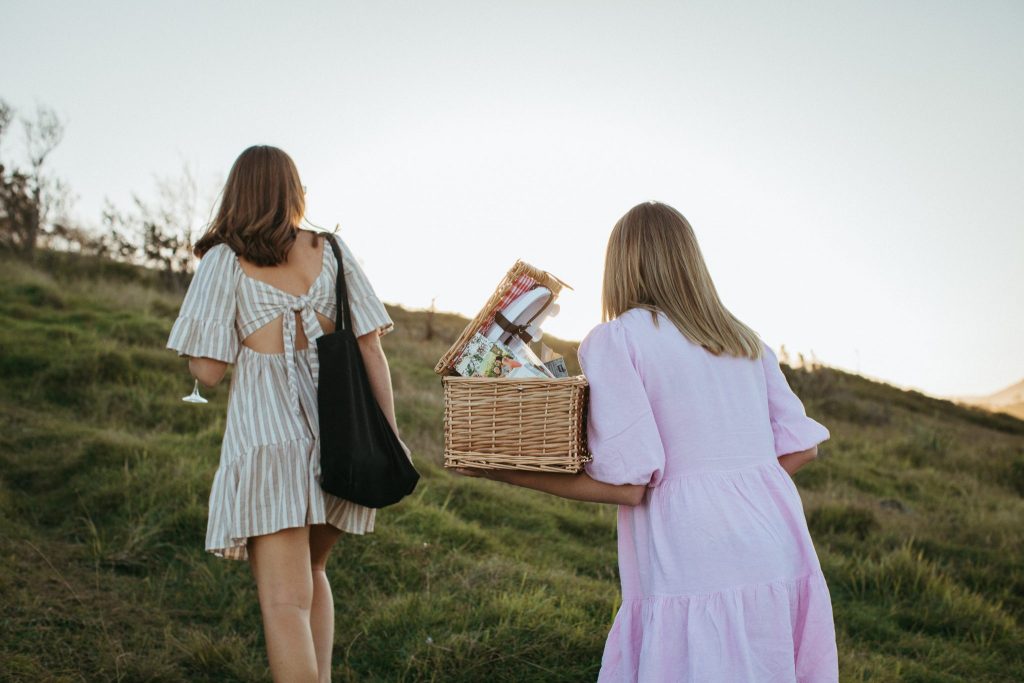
270 338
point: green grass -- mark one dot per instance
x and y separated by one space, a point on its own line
915 505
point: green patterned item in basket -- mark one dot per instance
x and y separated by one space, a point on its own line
485 357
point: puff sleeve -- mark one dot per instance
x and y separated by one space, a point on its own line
622 434
792 429
205 327
368 312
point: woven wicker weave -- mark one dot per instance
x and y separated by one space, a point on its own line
515 424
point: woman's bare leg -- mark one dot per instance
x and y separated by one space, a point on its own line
280 564
321 616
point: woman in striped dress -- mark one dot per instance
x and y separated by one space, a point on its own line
263 292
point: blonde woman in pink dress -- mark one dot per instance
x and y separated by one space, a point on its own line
695 434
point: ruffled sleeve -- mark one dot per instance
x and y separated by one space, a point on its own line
622 434
205 327
793 430
368 312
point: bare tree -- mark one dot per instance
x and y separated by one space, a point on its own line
32 200
15 199
160 232
6 116
49 194
429 333
119 238
171 223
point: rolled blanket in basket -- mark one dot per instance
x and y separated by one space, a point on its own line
519 322
523 283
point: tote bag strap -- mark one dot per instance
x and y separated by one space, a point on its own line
343 317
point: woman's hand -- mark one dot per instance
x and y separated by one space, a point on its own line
791 462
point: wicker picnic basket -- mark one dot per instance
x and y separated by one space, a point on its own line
519 424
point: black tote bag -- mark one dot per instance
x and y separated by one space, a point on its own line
361 458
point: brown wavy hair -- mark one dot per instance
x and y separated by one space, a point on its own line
653 262
261 206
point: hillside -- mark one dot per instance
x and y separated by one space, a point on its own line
1015 409
1009 400
916 506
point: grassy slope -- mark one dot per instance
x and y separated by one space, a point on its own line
916 507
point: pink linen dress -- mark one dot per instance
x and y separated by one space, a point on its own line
720 580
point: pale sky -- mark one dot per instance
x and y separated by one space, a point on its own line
854 171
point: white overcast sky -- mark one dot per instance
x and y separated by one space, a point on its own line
854 171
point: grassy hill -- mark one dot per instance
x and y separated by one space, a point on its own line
916 506
1009 400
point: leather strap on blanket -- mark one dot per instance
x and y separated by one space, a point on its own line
513 330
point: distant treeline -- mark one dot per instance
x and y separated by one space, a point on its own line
36 203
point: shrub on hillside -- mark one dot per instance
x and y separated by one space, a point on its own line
842 519
1016 476
923 446
843 405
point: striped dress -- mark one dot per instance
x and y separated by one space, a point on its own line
267 479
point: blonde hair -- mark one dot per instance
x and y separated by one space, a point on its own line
260 209
654 262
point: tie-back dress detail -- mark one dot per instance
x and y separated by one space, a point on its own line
268 476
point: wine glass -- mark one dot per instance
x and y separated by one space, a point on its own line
194 397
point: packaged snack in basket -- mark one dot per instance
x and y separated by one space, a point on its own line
555 362
485 357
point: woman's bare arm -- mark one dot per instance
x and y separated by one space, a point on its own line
573 486
207 370
791 462
379 372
